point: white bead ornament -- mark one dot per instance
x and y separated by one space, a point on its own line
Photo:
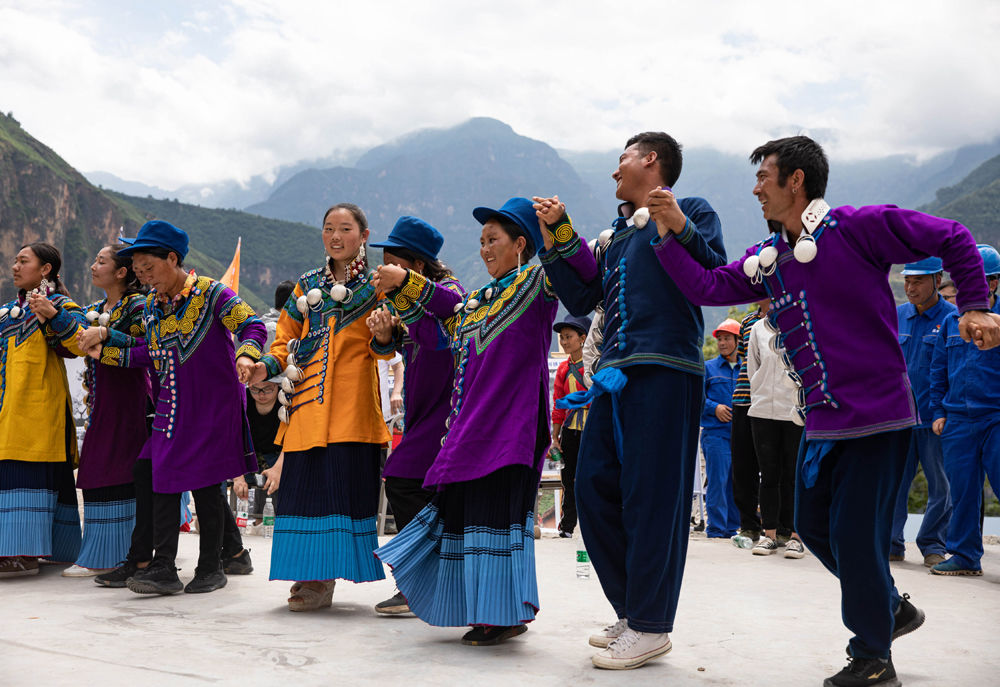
458 306
283 399
293 373
314 296
301 304
751 265
91 316
287 386
15 312
767 256
291 358
283 414
472 304
640 218
805 248
103 319
338 292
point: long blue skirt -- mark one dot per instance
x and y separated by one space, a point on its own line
468 558
108 519
324 527
39 515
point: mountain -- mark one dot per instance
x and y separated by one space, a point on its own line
440 175
42 198
974 201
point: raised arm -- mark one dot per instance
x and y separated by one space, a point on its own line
566 257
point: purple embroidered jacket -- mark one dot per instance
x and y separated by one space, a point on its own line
836 314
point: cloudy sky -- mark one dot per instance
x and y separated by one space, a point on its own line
178 92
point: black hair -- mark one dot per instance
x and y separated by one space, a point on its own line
49 255
668 153
514 230
159 252
282 293
131 282
356 212
797 152
435 270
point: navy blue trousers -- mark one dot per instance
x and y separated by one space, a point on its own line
925 448
635 513
845 519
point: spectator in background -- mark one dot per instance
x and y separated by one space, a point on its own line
919 326
948 291
965 402
567 425
716 430
776 438
391 393
746 471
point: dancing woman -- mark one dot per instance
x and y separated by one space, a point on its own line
468 557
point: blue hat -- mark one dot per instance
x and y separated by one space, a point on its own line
930 265
522 214
581 324
991 259
157 234
414 235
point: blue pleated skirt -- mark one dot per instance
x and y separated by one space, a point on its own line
468 558
108 519
324 527
39 515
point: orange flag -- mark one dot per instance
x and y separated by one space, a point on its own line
232 276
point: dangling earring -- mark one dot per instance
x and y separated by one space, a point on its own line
362 256
519 262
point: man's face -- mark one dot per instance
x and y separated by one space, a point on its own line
919 288
632 176
776 201
727 344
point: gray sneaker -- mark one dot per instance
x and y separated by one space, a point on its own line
395 605
794 549
765 547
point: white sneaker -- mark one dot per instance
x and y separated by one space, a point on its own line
765 546
609 634
80 571
632 649
794 549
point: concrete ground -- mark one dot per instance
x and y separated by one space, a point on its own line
743 620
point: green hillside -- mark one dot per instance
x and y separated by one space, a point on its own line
974 201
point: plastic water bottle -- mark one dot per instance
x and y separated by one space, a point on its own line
251 508
582 565
268 518
742 541
242 509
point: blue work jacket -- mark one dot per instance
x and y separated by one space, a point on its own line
917 334
720 382
964 380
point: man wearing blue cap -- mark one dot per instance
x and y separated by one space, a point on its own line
567 425
636 473
919 323
965 404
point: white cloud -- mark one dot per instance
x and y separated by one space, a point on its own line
164 93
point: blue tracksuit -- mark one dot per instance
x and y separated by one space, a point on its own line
917 334
720 381
965 390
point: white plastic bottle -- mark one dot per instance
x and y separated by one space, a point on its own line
268 518
582 565
242 510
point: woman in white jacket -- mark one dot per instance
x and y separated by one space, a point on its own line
776 437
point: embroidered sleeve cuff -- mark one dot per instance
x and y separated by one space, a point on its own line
272 365
688 233
382 349
118 339
415 292
250 349
63 325
114 356
562 233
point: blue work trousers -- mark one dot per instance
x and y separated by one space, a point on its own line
925 448
971 451
723 516
845 519
635 511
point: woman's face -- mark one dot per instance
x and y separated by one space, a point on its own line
498 250
103 272
29 270
158 273
342 236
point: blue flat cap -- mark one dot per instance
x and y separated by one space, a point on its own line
413 234
157 234
522 214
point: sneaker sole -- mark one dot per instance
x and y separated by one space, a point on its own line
957 573
392 610
891 682
600 641
630 663
910 626
20 573
189 590
502 637
238 571
110 584
763 552
86 573
140 587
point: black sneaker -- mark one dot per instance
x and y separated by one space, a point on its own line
116 578
864 671
563 534
906 619
157 578
238 565
204 583
395 605
488 635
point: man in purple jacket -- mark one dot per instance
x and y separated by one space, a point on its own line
825 271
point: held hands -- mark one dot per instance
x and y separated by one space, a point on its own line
663 210
91 337
257 372
723 412
42 307
246 369
982 328
388 277
938 426
381 323
549 211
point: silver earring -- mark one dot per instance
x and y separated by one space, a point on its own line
519 262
